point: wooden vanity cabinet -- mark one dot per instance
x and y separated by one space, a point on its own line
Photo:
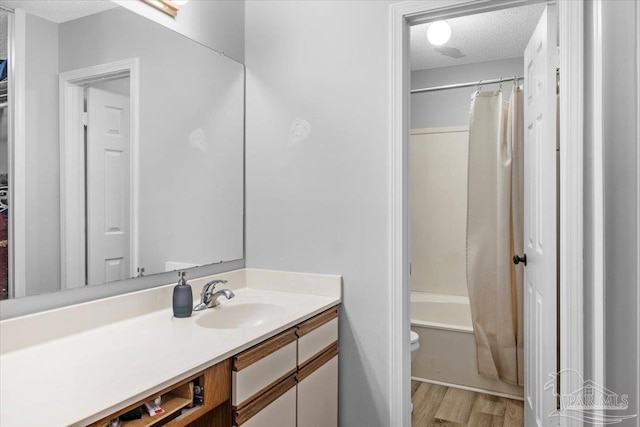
291 379
215 408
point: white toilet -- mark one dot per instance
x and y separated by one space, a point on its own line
415 344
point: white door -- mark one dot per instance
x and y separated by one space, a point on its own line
540 299
108 164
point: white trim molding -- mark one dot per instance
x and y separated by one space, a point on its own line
571 36
72 175
638 205
597 270
17 155
447 129
473 389
72 192
402 15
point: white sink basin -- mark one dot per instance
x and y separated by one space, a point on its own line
239 316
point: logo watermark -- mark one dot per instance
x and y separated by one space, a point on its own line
590 402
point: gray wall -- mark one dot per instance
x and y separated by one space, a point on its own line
621 199
322 205
218 24
43 159
451 107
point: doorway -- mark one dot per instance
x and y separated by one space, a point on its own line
414 13
466 205
99 184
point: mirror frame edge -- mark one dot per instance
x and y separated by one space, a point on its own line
17 307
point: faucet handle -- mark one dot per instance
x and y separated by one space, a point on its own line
210 286
208 289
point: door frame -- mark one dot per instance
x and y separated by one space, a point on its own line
571 30
17 137
72 160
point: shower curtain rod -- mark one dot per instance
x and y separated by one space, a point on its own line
468 84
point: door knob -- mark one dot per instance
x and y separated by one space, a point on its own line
520 259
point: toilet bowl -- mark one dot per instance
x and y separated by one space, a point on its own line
415 344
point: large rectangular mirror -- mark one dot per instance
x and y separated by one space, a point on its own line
133 151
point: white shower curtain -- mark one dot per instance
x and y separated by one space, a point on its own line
495 232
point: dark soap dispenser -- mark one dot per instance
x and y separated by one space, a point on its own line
182 297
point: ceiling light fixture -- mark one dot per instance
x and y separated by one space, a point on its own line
167 6
439 33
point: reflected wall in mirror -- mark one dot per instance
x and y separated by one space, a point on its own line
134 150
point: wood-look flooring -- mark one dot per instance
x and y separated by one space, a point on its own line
437 405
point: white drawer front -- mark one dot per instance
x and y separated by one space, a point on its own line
318 397
262 373
317 340
280 413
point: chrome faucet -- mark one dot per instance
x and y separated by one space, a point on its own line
214 298
208 298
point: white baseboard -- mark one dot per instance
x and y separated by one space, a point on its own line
477 390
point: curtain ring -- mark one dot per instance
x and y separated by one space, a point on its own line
479 85
500 83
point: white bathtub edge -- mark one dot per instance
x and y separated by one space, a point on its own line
454 325
418 296
442 326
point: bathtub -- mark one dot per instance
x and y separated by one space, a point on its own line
447 353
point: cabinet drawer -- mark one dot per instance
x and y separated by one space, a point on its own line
263 365
275 407
318 397
316 334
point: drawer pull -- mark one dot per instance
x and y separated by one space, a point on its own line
244 412
317 361
317 321
264 349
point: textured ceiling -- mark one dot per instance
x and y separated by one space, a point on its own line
477 38
60 10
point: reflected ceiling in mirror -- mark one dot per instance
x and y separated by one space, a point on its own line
134 149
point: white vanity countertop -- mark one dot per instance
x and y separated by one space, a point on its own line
81 378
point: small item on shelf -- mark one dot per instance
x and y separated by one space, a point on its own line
198 394
115 422
134 414
153 408
168 419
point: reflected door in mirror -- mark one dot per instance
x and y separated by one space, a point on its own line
108 183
